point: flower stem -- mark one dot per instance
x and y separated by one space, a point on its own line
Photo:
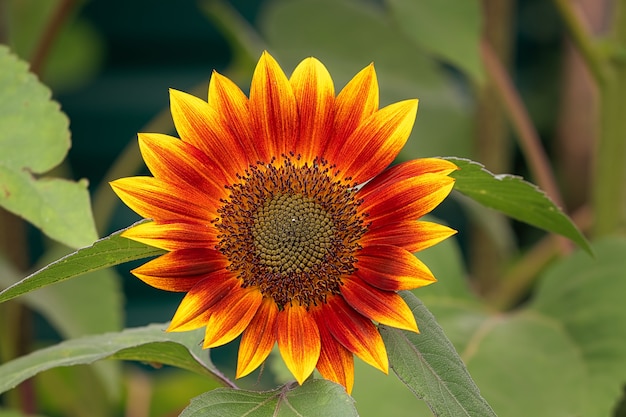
580 35
609 191
49 34
492 146
529 140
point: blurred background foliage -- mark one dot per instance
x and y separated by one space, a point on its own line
542 333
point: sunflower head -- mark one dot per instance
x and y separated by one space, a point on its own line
282 220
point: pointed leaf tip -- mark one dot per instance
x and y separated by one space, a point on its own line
516 198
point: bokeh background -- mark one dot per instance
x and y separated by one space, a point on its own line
111 63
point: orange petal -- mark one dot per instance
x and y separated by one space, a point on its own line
181 270
231 315
356 102
336 363
179 163
174 236
196 308
355 332
315 96
385 307
232 106
200 125
273 109
407 199
154 199
409 169
377 141
411 235
391 268
298 341
258 338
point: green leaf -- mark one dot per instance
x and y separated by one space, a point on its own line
90 304
377 394
106 252
526 365
347 35
149 344
451 29
567 350
315 398
34 138
430 367
586 297
516 198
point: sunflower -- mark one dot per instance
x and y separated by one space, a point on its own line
282 220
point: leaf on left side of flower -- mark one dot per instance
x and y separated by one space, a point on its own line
149 344
34 138
316 397
109 251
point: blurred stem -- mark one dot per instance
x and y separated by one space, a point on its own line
609 190
491 145
522 275
49 35
15 331
609 72
529 140
580 35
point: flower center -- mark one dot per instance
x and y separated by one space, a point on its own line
291 231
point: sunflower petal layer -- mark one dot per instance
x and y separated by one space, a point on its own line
298 341
355 332
231 315
335 363
258 338
282 220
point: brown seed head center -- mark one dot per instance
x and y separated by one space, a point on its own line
292 231
292 234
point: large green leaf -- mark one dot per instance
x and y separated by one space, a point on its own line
90 304
585 297
566 350
451 29
106 252
347 35
315 398
150 344
34 138
521 356
430 367
514 197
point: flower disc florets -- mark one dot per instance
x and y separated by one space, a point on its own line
292 231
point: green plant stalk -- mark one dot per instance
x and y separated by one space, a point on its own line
609 72
581 37
609 182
